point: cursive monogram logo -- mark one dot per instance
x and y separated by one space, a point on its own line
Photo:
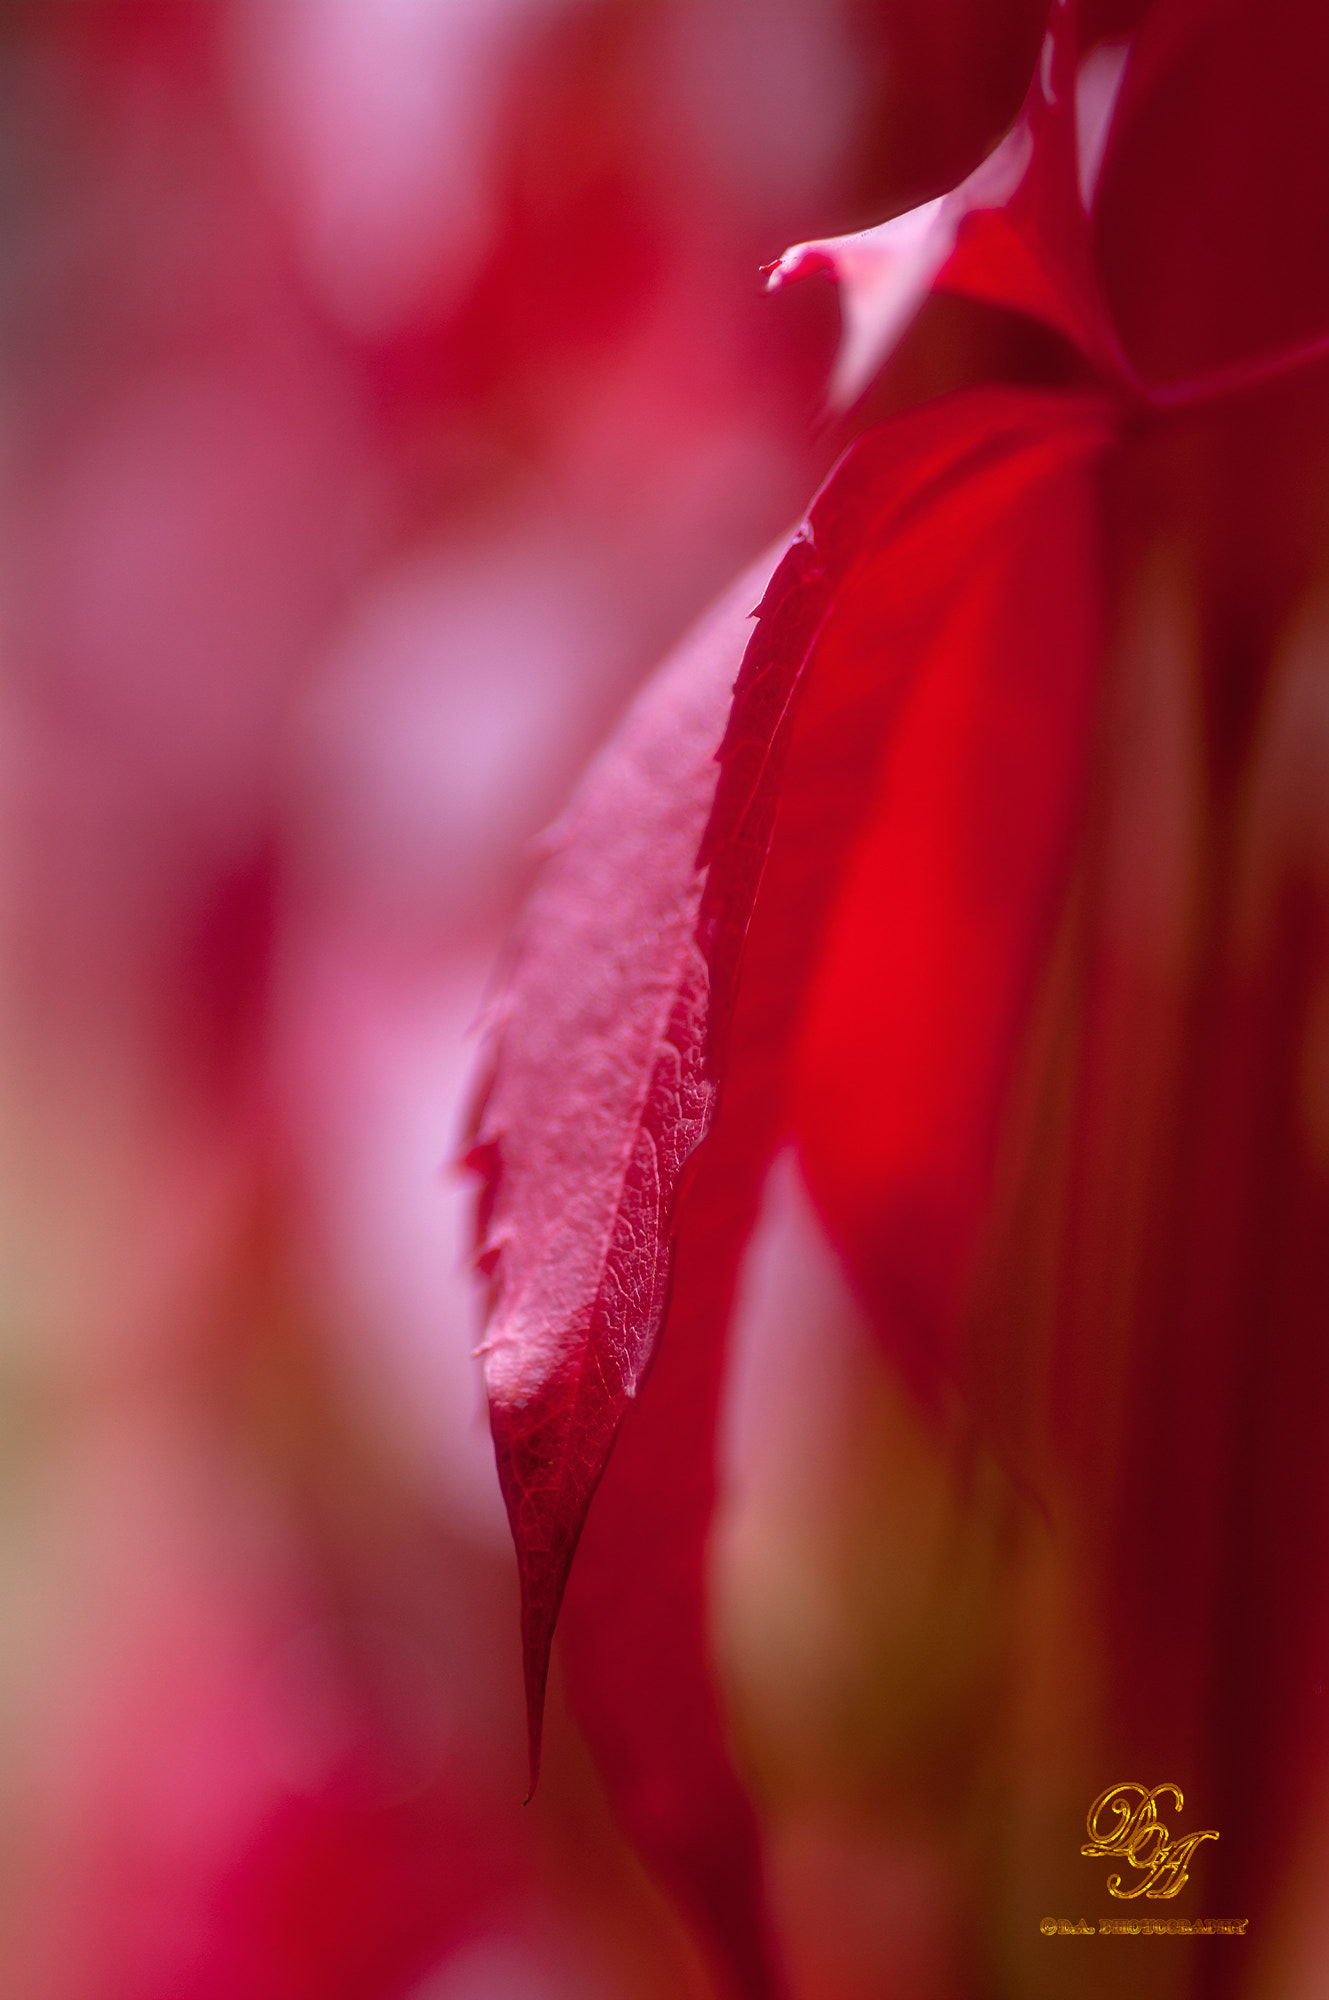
1124 1820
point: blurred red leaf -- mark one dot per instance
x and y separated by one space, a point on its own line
987 604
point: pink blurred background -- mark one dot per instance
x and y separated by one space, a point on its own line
386 384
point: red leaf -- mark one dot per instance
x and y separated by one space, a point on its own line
990 610
1015 233
597 1095
926 684
917 512
846 633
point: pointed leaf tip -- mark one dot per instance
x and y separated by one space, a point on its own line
1014 233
